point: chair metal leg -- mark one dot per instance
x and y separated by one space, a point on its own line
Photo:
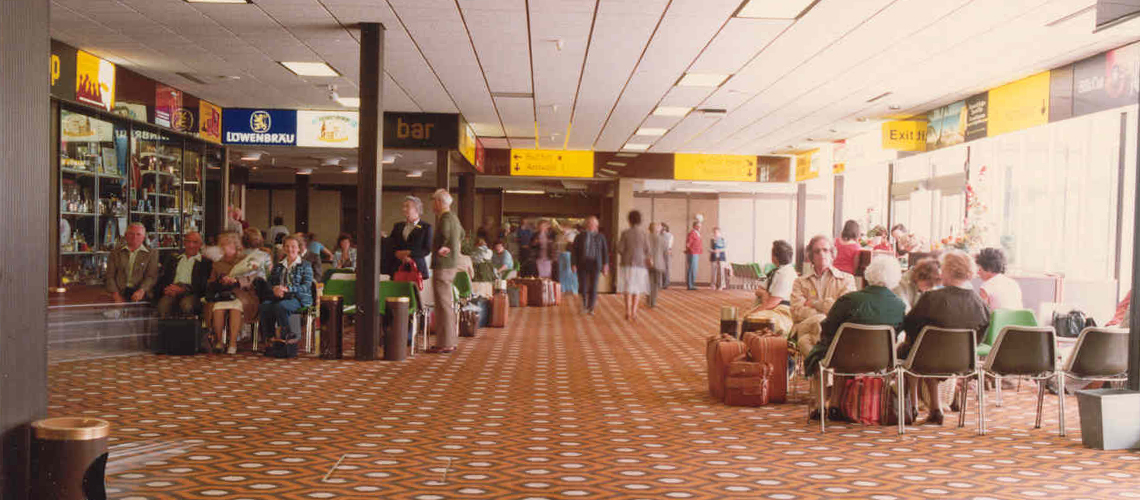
901 401
1040 402
997 388
256 334
981 403
822 407
960 396
1061 402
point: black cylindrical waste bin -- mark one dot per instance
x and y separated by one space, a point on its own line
332 328
396 328
69 458
728 320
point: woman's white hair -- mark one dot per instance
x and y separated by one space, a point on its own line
416 203
883 271
443 196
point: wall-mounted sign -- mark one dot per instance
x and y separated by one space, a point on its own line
774 169
82 128
63 70
94 81
807 165
421 131
328 129
469 146
699 167
977 116
186 117
209 121
905 135
839 153
259 126
1019 105
1106 81
552 163
946 126
167 102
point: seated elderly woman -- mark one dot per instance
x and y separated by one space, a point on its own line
998 291
230 292
773 302
956 305
874 305
922 277
292 289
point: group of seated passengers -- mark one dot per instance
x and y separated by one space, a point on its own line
809 309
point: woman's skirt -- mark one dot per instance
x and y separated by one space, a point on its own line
566 274
633 280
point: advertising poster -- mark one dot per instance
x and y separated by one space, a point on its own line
63 71
328 129
977 116
185 118
1019 105
1106 81
259 126
167 102
839 157
209 121
94 81
946 126
82 128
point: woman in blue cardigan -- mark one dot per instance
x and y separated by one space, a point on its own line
292 284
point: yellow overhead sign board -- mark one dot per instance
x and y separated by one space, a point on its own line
807 165
905 135
552 163
698 167
1019 105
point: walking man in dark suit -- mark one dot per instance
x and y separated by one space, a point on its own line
591 257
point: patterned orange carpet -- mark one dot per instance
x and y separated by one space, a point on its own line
554 406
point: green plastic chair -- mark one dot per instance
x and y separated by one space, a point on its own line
398 289
767 269
463 284
346 289
1002 318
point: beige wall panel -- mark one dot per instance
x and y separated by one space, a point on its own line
775 220
324 216
673 211
736 222
257 208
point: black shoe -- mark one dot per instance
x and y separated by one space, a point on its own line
814 415
836 415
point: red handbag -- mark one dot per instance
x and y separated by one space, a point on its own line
409 273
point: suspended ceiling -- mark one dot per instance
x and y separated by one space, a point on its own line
597 69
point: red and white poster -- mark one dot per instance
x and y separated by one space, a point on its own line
168 100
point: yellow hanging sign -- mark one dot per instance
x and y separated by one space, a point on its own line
552 163
1019 105
905 135
697 167
807 165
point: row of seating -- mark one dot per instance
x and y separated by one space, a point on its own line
749 276
1028 352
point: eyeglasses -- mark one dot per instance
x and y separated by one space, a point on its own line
824 250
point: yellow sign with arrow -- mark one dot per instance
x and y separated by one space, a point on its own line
698 167
552 163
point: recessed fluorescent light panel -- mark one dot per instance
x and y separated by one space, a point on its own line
349 102
524 191
671 111
616 163
217 1
636 147
309 68
701 80
774 9
652 132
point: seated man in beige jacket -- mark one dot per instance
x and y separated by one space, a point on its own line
814 294
132 268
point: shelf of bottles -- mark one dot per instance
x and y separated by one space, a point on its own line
92 190
156 187
193 189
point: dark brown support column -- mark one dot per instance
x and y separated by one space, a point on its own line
467 203
443 169
801 224
26 202
301 210
369 186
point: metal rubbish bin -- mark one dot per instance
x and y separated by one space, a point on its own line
1108 418
332 327
728 321
69 458
396 328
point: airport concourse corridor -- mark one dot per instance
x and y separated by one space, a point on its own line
554 406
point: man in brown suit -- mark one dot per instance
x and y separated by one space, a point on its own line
132 268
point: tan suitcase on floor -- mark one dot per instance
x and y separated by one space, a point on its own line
720 352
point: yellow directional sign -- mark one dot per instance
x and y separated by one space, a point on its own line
552 163
697 167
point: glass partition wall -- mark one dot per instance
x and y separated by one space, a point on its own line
113 172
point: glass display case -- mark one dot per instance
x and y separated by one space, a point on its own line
92 191
113 172
156 186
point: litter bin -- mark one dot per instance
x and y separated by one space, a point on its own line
728 322
69 458
396 328
1110 418
332 329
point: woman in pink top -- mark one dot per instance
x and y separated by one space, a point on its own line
847 247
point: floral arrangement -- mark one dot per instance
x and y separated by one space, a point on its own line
976 227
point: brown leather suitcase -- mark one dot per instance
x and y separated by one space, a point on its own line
772 349
720 352
540 291
500 306
557 294
468 322
747 384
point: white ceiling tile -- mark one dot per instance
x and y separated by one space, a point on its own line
737 43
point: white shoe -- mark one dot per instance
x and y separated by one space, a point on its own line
231 350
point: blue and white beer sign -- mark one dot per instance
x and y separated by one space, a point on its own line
259 126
